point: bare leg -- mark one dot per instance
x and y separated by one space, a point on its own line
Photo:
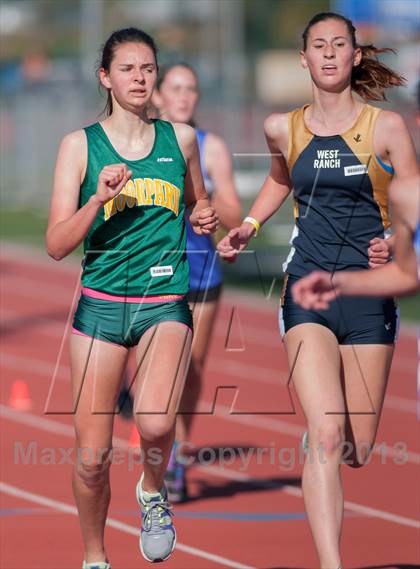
163 354
96 371
366 370
204 315
314 356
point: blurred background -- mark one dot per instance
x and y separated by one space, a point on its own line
245 53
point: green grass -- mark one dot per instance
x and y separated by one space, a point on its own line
23 226
410 309
27 226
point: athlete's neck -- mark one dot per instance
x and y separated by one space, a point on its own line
132 129
332 112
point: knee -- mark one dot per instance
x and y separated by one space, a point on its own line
93 465
329 438
154 429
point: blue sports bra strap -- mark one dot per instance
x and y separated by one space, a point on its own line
386 167
201 139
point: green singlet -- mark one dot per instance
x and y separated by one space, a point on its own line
136 245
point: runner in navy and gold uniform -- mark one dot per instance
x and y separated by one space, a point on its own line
338 155
341 206
124 186
176 97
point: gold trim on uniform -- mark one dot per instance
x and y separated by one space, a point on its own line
299 136
359 138
283 289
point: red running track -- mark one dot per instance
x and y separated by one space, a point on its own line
246 509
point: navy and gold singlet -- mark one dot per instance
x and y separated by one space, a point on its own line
340 194
341 203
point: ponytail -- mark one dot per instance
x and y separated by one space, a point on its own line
371 77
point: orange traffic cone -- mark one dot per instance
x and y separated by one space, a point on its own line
19 396
134 440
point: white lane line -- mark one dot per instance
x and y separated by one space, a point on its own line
401 403
67 430
281 377
24 288
41 423
251 332
259 421
32 365
116 524
234 369
283 427
253 335
37 258
294 491
270 338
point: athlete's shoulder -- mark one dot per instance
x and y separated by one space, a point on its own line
184 133
390 120
72 155
276 125
74 144
390 129
276 130
75 138
215 143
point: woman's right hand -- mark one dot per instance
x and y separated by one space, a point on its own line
111 181
235 242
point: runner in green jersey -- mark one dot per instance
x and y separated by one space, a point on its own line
123 187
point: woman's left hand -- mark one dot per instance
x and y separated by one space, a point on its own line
204 221
379 252
315 291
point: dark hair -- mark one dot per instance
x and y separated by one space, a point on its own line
370 78
119 37
163 72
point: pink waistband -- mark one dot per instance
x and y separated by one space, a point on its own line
116 298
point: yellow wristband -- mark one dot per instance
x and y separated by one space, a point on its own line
254 223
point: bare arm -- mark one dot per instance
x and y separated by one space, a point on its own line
219 167
199 212
393 279
393 143
317 290
389 280
400 276
277 185
68 225
273 193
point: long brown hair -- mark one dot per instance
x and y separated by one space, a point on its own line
371 77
